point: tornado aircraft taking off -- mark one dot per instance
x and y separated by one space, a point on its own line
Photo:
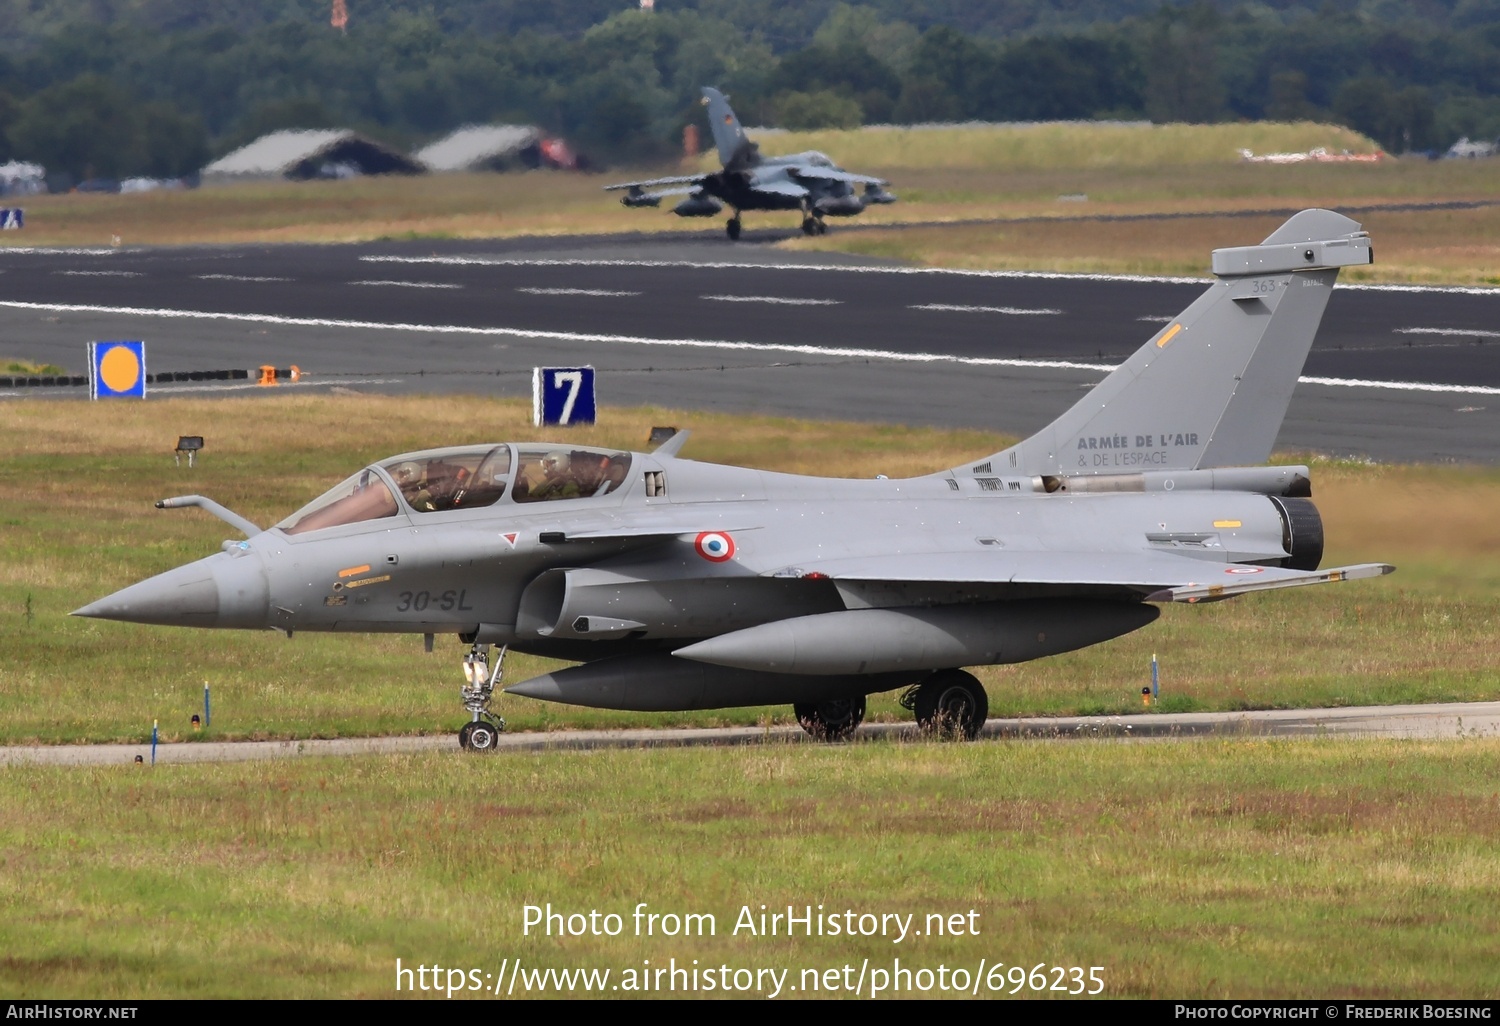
809 182
682 585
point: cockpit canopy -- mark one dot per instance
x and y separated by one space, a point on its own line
814 158
462 478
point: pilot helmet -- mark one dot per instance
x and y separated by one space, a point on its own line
409 472
556 462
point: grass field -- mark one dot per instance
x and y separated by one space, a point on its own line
1049 146
1233 868
76 522
1225 868
1033 175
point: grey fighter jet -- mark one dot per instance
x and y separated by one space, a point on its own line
683 585
809 182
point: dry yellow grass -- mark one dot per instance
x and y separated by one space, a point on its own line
1052 145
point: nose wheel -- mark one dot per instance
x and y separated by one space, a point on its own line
482 732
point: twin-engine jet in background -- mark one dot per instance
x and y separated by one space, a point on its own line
684 585
808 182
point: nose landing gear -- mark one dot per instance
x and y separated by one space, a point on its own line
482 733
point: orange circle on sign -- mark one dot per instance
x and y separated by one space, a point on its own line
119 369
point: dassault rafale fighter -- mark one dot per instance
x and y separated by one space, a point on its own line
682 585
808 182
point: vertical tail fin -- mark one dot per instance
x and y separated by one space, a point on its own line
736 151
1212 387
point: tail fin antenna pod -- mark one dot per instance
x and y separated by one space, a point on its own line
1212 387
736 151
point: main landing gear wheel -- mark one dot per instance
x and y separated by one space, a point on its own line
835 719
732 229
482 732
951 704
813 226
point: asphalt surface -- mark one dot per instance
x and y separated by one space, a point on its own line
696 322
1453 720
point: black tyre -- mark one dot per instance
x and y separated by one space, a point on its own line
478 736
732 229
951 704
809 226
835 719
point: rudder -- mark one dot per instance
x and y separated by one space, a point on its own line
735 148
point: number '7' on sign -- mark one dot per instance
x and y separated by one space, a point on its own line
561 396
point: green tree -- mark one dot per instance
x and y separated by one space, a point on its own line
169 143
1288 100
1180 58
1400 120
10 110
892 43
86 128
848 70
925 100
821 109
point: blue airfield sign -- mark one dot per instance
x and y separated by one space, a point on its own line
117 370
562 396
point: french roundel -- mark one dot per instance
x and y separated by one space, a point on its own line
1244 570
715 546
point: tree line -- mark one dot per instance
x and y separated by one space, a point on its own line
159 87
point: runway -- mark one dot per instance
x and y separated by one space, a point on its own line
1396 374
1452 720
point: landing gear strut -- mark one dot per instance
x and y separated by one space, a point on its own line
835 719
732 228
481 733
950 704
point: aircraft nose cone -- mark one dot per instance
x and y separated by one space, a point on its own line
220 591
184 597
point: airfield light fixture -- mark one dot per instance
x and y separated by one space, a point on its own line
190 444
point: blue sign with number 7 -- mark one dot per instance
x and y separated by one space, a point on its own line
561 396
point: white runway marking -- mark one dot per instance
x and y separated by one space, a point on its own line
1153 319
782 300
102 274
1460 332
692 343
62 251
411 284
578 292
237 277
1013 310
483 261
1401 386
